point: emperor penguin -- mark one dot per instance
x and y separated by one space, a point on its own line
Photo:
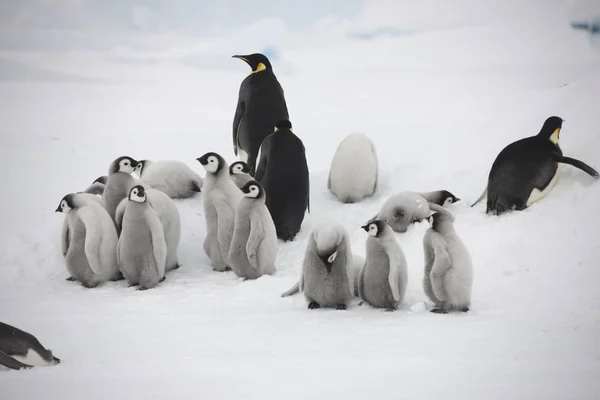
220 200
22 350
326 279
261 103
97 187
168 215
142 249
283 172
526 170
253 247
175 178
448 274
89 241
354 170
383 279
240 173
405 208
119 183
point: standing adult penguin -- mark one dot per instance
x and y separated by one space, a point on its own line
525 171
22 350
382 281
142 249
261 103
354 169
119 183
448 274
326 278
221 198
283 172
253 247
240 173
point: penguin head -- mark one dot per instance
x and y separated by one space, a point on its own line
123 164
239 168
328 259
212 162
551 129
66 204
448 198
440 221
375 228
139 168
101 179
284 124
257 61
137 194
253 190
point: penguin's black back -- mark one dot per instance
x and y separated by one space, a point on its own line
264 105
519 168
286 182
14 341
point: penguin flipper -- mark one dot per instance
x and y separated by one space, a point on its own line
11 363
225 224
261 162
359 282
350 273
293 290
93 237
119 212
159 244
480 197
255 238
441 265
577 164
237 119
438 208
64 237
394 274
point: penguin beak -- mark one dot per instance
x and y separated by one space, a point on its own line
457 200
365 227
57 209
241 58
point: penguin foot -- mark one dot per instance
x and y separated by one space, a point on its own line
341 307
222 270
176 266
465 309
118 277
70 279
88 285
141 288
439 311
390 309
360 303
313 305
133 284
162 279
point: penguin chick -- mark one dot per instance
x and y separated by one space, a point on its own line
382 281
141 250
119 183
448 268
97 187
220 200
175 178
440 197
326 277
253 247
89 240
240 173
405 208
169 217
22 350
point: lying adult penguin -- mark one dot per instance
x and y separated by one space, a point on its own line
525 171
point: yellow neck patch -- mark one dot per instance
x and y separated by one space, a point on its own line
554 138
276 129
260 67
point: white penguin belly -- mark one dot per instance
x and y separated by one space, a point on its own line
537 194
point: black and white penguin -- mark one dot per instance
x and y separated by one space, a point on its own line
22 350
261 103
525 171
283 172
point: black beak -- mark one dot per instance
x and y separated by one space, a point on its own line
456 200
365 227
57 209
134 163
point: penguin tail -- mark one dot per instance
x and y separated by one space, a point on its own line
293 290
480 197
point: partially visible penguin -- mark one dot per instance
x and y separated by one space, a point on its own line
326 278
254 244
169 217
220 200
89 241
65 235
448 274
354 170
119 183
240 173
142 249
261 103
22 350
283 172
405 208
97 187
525 171
382 281
174 178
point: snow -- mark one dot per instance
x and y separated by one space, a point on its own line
439 104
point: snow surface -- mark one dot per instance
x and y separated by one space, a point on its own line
439 104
